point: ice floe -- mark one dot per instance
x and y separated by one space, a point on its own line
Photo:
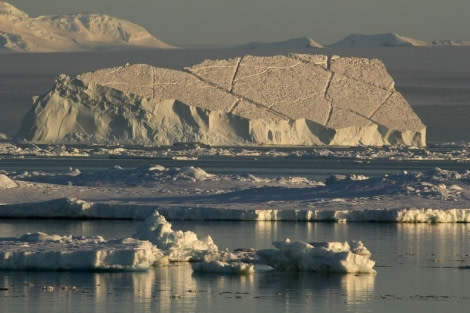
191 193
444 151
178 246
347 257
40 251
219 267
6 182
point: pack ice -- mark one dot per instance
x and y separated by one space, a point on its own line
297 99
156 243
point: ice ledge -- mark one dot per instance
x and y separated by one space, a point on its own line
75 208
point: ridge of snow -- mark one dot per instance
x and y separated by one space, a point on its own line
241 101
378 40
71 32
75 208
391 40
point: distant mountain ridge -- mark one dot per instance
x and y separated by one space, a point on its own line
302 42
391 40
357 41
69 32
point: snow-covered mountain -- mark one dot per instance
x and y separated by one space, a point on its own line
298 99
391 40
355 41
294 43
72 32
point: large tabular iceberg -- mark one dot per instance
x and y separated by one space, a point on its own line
297 99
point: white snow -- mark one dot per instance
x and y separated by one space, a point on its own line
178 246
243 101
6 182
191 193
356 41
72 32
219 267
347 257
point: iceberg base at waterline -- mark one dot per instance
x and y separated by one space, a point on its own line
156 244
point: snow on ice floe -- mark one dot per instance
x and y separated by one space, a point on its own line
6 182
147 176
76 208
40 251
219 267
341 257
117 175
178 246
155 244
244 101
435 195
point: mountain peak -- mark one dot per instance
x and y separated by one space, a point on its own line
8 9
378 40
302 42
70 32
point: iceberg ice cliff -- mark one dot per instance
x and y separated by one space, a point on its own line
298 99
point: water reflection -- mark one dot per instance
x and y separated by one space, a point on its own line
450 245
413 259
175 288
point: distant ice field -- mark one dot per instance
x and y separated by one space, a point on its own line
397 184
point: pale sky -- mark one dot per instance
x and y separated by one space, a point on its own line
234 22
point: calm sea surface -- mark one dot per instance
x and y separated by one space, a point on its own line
420 267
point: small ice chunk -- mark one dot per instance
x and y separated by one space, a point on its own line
6 182
318 257
219 267
178 246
